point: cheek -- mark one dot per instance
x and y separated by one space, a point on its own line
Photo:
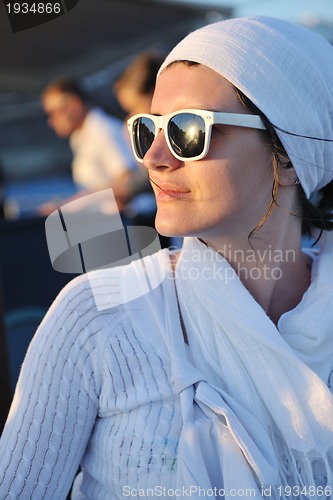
247 167
242 184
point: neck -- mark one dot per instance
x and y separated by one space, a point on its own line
271 266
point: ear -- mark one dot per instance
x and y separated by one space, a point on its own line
75 103
75 109
287 174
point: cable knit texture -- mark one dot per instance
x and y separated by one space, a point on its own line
95 388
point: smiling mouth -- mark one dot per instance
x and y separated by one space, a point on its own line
171 191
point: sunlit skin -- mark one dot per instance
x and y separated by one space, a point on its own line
222 197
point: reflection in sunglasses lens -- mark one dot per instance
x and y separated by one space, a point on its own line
187 134
144 134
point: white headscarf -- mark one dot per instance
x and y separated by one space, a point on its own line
287 72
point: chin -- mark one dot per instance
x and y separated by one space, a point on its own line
168 227
170 231
175 227
62 134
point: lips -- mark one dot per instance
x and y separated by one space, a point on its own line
173 189
169 191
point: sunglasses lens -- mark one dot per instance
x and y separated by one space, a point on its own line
187 134
143 134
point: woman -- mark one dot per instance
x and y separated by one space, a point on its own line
134 89
216 382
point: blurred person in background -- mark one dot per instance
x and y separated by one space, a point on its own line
134 89
101 154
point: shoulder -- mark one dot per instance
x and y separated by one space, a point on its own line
113 293
74 320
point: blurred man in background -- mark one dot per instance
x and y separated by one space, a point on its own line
101 153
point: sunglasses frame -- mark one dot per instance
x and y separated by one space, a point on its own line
210 118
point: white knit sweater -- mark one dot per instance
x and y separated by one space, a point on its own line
94 389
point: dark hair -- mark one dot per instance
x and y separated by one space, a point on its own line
68 85
141 73
315 214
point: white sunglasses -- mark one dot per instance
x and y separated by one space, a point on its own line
187 131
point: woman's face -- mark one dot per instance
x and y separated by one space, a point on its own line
227 192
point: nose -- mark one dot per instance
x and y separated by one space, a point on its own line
159 155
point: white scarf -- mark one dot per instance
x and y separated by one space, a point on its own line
255 416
